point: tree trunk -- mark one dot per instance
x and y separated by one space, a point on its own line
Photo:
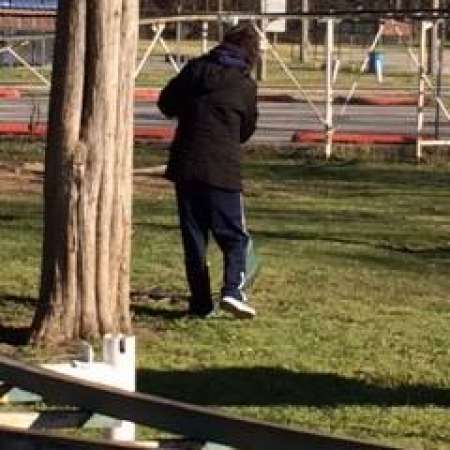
87 192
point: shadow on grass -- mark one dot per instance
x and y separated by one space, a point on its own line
438 256
141 311
409 177
15 335
28 302
267 386
156 226
143 302
7 218
432 253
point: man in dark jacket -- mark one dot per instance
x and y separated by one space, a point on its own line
214 100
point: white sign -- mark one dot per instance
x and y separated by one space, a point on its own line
274 6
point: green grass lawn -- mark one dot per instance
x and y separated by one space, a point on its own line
22 75
353 299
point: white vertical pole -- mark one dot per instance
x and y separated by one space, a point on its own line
204 36
438 90
44 52
219 21
120 352
433 57
262 63
329 88
304 47
336 67
421 98
178 32
261 69
379 70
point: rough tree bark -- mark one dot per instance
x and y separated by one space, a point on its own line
88 169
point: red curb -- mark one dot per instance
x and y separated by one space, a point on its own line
154 133
22 129
308 137
146 95
152 95
9 93
282 98
401 100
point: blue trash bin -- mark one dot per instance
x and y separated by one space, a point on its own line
376 58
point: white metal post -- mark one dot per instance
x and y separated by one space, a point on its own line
262 62
426 79
421 99
379 70
329 88
120 353
204 36
117 369
336 67
261 68
178 32
438 91
304 46
433 57
220 21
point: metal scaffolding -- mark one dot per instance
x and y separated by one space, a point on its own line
427 19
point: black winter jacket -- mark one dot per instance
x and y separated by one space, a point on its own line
215 105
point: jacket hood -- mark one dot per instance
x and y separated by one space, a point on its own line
216 76
229 55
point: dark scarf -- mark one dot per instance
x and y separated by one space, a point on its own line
229 55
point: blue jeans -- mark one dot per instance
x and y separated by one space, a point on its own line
203 209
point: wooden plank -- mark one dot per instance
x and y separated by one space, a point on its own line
199 423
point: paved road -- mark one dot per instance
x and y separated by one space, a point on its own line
277 121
